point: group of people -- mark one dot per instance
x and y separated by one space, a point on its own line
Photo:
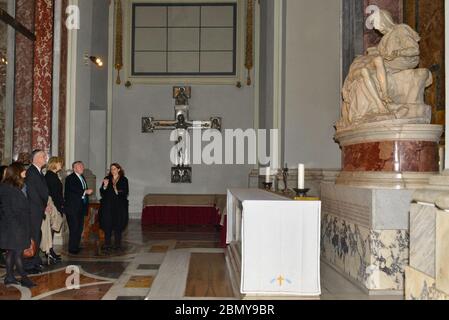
31 201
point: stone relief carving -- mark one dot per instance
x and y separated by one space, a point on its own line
385 84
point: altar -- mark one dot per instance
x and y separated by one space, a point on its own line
273 244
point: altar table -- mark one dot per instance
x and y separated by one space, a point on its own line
274 243
176 209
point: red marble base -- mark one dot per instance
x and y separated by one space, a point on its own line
391 156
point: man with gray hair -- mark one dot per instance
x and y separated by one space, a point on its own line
76 201
37 193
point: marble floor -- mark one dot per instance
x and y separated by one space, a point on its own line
157 263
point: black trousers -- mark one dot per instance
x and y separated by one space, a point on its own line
117 237
76 225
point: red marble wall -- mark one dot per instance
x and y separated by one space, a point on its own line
427 17
43 75
390 156
372 37
63 84
23 82
3 70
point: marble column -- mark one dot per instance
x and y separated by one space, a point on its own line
63 83
23 83
446 8
3 81
43 75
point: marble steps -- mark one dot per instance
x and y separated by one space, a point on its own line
235 259
236 253
233 262
235 280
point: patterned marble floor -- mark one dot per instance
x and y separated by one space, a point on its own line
157 263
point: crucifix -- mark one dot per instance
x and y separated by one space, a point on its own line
181 172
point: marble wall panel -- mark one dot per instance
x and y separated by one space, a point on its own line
346 203
391 209
442 251
422 238
420 286
375 259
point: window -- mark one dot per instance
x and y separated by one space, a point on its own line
184 39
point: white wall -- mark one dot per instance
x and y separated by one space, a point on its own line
83 83
312 82
97 145
266 65
91 84
145 157
99 48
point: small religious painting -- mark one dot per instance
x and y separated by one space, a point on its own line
181 174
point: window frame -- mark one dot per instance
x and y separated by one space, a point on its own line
191 78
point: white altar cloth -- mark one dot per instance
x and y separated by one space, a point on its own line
280 242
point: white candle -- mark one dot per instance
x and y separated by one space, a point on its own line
300 176
267 175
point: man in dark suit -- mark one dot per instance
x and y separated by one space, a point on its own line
37 191
76 201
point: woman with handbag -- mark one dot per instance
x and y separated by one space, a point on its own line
114 213
15 235
55 191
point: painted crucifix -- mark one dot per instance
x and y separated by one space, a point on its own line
181 172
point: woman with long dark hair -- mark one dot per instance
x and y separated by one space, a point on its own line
15 215
114 213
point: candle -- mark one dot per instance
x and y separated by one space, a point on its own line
267 174
301 176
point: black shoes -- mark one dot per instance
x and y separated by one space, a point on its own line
35 270
27 283
24 282
54 255
106 248
51 260
11 281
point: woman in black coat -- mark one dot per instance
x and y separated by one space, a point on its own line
2 258
15 217
55 191
114 214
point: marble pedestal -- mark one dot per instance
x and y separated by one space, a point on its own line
389 155
364 235
365 228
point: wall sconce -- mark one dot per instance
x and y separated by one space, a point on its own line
3 61
95 60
